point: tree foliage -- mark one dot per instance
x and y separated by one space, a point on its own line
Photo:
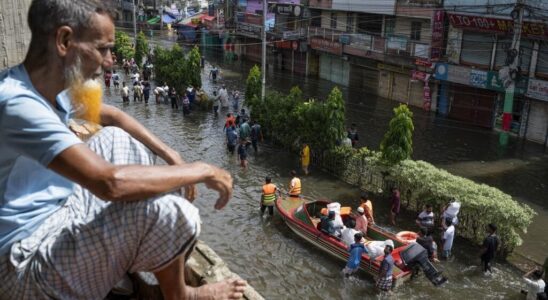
194 69
176 69
141 48
253 87
170 67
319 123
397 143
122 45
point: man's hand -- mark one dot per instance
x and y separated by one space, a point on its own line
221 181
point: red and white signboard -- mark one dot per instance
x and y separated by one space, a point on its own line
438 31
498 25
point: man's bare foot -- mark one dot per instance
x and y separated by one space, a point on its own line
230 289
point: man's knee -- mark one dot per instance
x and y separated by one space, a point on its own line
119 147
171 226
113 131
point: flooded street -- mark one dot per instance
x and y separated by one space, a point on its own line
519 169
278 263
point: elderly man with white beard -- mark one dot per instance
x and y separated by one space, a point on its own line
76 217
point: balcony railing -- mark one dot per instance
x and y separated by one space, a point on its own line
281 32
404 47
325 33
127 5
362 42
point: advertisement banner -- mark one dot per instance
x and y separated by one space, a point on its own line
498 25
454 41
478 78
537 89
438 19
326 45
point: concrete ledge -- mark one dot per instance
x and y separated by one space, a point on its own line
203 266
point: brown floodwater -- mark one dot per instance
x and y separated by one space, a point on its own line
278 263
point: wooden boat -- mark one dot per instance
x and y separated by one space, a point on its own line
303 217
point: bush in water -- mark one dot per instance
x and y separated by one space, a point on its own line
122 46
319 123
253 88
397 143
177 69
421 183
141 49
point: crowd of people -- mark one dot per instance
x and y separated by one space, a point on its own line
138 84
240 135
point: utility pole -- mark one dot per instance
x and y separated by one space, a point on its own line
134 25
513 63
263 67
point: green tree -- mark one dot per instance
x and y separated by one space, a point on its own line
334 113
141 48
194 69
170 67
253 87
397 143
122 45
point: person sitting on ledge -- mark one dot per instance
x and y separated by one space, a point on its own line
76 217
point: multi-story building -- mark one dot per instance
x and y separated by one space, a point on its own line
478 39
288 36
247 33
441 55
382 46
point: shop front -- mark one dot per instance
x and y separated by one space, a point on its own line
394 82
332 65
290 56
537 122
475 96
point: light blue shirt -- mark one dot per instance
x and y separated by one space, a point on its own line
32 134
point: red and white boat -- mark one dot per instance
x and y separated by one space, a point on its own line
303 218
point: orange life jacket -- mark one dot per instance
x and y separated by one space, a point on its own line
269 194
296 190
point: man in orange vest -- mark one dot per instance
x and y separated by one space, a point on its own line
366 204
269 196
294 185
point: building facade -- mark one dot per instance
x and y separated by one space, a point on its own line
440 55
479 38
383 47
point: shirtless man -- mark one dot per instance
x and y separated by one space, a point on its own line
76 217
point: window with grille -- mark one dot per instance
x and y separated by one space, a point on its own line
334 20
349 22
416 28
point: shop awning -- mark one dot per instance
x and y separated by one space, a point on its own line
189 24
193 21
154 20
167 19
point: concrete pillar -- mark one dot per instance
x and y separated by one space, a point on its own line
14 32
